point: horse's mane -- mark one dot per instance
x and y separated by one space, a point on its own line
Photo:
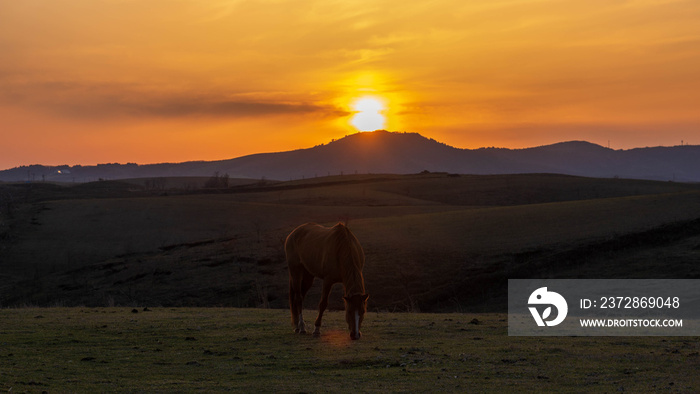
350 258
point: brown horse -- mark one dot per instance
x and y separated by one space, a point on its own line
334 255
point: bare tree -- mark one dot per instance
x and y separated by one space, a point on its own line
217 181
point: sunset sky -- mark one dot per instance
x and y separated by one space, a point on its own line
144 81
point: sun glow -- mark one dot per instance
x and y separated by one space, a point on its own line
369 114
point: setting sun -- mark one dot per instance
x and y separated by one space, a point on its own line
87 82
369 114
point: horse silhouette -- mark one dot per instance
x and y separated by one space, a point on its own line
334 255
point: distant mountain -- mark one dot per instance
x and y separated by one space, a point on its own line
403 153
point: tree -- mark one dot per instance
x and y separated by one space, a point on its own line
217 181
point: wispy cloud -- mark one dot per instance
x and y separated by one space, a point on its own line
113 101
279 64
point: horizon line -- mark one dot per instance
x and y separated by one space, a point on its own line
333 140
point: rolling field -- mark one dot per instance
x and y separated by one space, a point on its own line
113 286
434 242
255 350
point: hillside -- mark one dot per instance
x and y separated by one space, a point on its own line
434 242
383 152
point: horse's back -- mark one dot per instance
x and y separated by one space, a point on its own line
304 234
304 248
318 248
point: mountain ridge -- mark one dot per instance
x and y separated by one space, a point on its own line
402 153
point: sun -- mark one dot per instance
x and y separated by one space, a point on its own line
369 114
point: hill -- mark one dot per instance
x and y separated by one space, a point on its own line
383 152
434 242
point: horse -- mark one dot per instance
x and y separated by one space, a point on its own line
334 255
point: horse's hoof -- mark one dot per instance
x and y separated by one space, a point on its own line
296 330
302 332
317 334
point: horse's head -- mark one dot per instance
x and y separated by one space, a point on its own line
355 308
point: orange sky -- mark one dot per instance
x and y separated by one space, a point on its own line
97 81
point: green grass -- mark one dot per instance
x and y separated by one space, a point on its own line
253 350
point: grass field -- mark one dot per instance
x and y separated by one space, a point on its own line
181 289
254 350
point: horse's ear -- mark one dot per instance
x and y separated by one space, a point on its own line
365 297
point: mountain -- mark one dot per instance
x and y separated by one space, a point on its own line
403 153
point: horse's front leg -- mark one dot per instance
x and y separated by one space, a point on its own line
327 285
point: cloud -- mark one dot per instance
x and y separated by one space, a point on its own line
212 107
119 101
445 61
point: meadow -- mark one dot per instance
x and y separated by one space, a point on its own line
434 242
119 286
255 350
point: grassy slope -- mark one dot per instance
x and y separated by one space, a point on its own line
215 349
440 257
432 241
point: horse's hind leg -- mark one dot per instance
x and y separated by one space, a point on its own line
296 275
327 285
306 282
293 294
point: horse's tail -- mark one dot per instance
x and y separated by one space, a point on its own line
290 244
